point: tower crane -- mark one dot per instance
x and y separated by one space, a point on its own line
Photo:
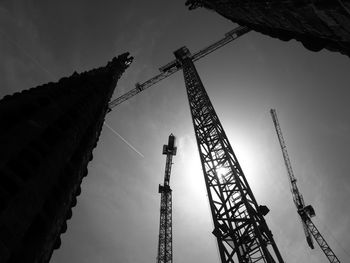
165 241
240 228
305 212
174 66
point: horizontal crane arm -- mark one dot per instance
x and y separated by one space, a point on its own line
141 87
174 66
229 36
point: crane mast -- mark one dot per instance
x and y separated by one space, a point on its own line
239 225
305 212
165 243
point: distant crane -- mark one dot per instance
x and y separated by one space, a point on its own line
239 225
305 212
165 242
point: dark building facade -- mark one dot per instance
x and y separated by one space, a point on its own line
317 24
47 136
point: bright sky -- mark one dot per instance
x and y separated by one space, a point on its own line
117 215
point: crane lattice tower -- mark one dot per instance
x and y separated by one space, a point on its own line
305 211
165 242
239 225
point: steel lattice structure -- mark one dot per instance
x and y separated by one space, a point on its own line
174 66
305 212
239 225
240 229
165 242
332 258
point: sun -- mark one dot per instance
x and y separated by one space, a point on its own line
222 172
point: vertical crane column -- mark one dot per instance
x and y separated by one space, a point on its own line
297 197
305 212
165 249
239 226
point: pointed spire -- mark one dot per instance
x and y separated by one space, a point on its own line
47 137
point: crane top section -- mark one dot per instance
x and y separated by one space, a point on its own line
170 149
182 53
175 65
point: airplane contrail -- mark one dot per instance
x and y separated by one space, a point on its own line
116 133
35 61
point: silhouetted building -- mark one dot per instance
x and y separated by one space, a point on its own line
316 23
47 136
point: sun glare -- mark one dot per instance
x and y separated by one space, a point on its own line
222 172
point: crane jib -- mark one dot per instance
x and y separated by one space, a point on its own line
174 66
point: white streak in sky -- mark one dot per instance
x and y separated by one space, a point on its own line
36 62
116 133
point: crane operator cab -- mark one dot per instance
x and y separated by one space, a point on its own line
182 53
309 210
170 148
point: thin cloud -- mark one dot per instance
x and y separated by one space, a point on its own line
35 61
